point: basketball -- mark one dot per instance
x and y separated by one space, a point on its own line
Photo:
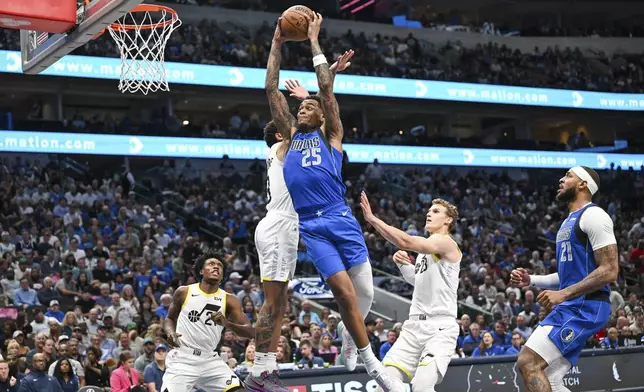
295 22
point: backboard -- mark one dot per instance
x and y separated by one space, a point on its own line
41 49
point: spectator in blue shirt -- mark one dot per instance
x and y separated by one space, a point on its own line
611 340
501 338
37 380
517 343
25 296
106 345
153 373
164 272
306 309
55 312
386 346
487 348
162 310
473 339
64 373
308 359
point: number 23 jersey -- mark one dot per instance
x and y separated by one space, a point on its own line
581 233
198 331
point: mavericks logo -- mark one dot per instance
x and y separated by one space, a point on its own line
567 335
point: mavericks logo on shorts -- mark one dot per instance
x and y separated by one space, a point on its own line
567 334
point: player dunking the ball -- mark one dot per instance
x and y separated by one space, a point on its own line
578 294
196 317
427 340
277 235
332 236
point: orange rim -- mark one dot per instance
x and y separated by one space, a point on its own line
148 8
144 8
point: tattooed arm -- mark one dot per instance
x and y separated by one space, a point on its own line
598 226
282 117
605 273
332 121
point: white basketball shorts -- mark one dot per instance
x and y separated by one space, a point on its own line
276 239
422 341
185 370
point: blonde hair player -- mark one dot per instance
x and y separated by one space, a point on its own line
578 294
427 340
196 318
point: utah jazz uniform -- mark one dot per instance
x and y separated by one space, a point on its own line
431 332
571 323
333 237
276 236
196 362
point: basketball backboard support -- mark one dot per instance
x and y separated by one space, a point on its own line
41 49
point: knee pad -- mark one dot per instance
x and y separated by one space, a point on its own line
556 372
395 374
362 279
427 375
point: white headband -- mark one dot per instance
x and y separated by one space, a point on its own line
585 176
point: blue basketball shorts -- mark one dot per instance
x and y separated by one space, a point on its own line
573 324
333 238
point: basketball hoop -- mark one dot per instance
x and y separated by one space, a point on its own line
141 36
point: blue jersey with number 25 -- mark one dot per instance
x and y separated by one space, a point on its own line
312 172
575 257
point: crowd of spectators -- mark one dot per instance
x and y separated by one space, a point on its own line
88 264
208 42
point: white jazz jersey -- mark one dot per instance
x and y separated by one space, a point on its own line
435 287
278 196
198 331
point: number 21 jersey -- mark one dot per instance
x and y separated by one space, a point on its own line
575 256
198 331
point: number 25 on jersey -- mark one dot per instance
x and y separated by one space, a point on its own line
311 157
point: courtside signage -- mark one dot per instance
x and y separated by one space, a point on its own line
173 147
253 78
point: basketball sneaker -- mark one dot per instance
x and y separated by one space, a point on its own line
384 380
266 382
349 350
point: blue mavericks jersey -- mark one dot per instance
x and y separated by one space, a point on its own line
312 172
575 257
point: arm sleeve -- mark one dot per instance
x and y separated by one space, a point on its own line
408 272
550 282
598 226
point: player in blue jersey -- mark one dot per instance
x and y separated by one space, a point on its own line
276 236
577 296
332 235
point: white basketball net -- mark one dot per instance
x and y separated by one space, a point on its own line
142 49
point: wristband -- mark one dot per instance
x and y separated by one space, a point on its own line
319 60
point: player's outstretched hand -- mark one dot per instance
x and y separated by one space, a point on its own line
219 318
173 339
314 26
296 89
343 62
551 298
366 207
520 278
402 258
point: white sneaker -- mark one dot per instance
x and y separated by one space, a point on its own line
385 381
349 350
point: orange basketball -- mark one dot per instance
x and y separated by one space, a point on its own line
295 22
